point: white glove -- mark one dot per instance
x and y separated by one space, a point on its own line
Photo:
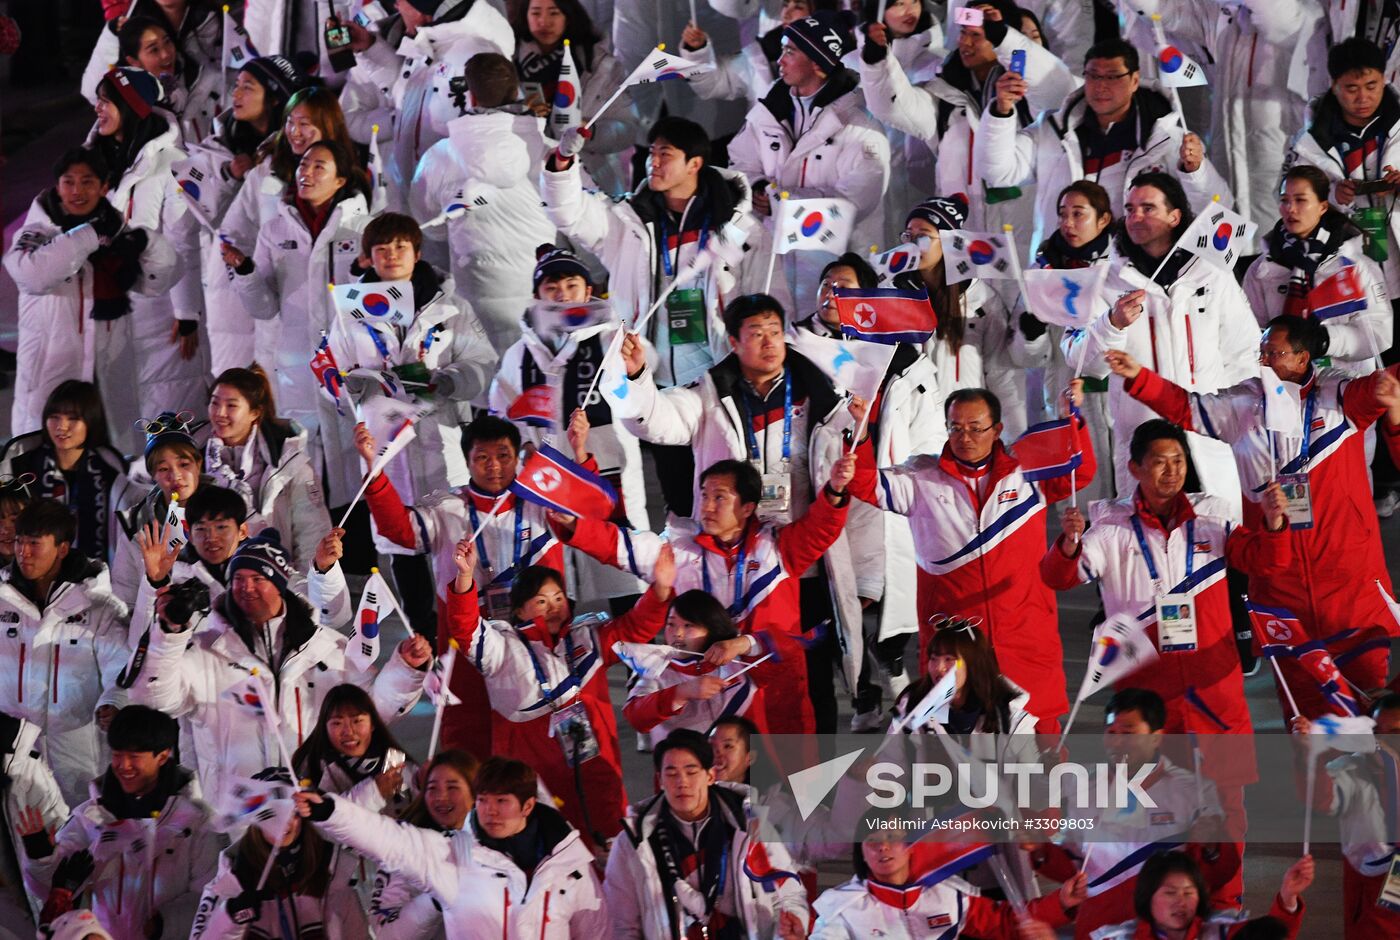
572 140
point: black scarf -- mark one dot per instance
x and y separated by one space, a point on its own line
368 765
86 490
541 67
74 568
1057 253
1140 259
116 266
172 779
1303 255
676 857
544 830
588 352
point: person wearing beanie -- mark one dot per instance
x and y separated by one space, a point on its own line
149 43
149 796
969 349
490 164
264 628
174 462
560 276
156 358
212 178
907 420
810 136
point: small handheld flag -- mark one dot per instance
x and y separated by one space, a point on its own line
1066 297
328 374
1218 236
379 191
1178 70
976 254
900 259
1048 450
551 319
933 706
435 684
1280 635
447 662
1282 412
534 406
887 316
815 225
657 66
1338 295
554 481
362 649
238 48
175 520
266 804
389 302
567 109
201 195
1120 648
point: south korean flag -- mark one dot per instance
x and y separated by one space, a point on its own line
375 302
1219 236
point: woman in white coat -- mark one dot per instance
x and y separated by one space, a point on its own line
266 460
1314 265
155 364
77 268
212 178
196 27
314 240
192 86
311 114
541 29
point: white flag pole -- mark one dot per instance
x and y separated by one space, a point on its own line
1308 809
364 485
1009 231
443 695
1283 684
626 82
694 17
272 853
775 211
223 59
1069 723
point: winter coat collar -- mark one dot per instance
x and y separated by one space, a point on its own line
779 101
74 569
719 194
1328 125
174 781
821 394
730 801
1149 107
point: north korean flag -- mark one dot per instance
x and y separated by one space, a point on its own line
535 407
554 481
886 316
1338 295
1049 449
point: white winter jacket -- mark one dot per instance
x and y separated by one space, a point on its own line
1354 340
910 422
164 874
189 673
1048 153
61 693
32 784
482 893
841 153
161 380
288 497
288 285
490 163
58 339
625 237
633 884
446 338
1199 333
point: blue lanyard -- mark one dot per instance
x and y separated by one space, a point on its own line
481 537
1304 449
754 453
428 342
378 342
545 691
737 605
1147 552
680 240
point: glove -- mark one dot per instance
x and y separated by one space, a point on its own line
133 239
1324 342
572 140
321 811
872 53
246 907
1031 328
106 224
444 385
73 871
995 30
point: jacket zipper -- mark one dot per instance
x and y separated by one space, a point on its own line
82 300
297 691
505 917
544 924
56 650
21 672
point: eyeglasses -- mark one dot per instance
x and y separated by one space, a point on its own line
1105 79
957 430
908 237
1271 355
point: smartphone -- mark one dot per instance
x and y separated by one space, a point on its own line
338 45
968 16
1018 62
1371 187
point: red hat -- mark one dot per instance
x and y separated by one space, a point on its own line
138 88
111 9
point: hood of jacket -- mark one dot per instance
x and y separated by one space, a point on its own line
90 575
298 625
490 145
1151 107
1327 114
173 781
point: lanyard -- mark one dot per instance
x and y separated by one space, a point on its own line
546 692
754 453
680 240
481 537
1147 552
378 342
428 342
737 605
1305 448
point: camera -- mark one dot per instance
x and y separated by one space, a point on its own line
187 598
457 89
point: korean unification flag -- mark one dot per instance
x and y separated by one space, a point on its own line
1219 236
567 110
1282 411
1068 297
200 193
898 260
659 66
375 302
815 225
976 254
857 366
238 48
1121 647
362 649
1178 70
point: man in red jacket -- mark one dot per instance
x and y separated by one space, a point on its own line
1336 542
979 530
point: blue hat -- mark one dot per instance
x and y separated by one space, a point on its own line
823 37
169 428
551 262
263 554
